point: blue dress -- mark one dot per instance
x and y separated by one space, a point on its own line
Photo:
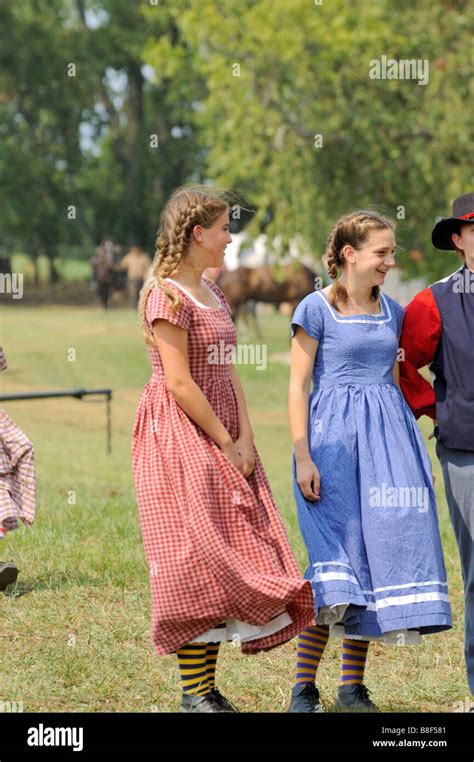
375 557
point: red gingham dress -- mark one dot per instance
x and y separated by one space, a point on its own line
17 475
215 543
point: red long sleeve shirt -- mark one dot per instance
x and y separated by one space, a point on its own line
420 337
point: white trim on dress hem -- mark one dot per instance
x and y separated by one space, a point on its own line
394 638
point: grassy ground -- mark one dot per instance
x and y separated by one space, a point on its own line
75 632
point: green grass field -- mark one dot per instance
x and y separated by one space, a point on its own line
75 632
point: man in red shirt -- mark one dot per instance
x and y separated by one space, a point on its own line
438 331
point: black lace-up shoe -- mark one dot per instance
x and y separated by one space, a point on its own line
200 704
305 698
222 701
8 574
355 698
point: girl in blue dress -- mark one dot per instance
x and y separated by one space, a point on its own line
362 477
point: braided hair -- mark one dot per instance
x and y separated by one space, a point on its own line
188 206
354 229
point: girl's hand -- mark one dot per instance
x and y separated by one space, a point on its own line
244 446
231 452
308 479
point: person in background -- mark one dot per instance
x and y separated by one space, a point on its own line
137 263
17 483
438 331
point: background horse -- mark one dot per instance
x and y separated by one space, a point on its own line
285 283
106 276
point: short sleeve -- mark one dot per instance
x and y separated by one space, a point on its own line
158 305
308 315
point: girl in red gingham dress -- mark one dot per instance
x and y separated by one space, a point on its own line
220 564
17 483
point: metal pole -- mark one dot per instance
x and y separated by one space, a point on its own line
76 394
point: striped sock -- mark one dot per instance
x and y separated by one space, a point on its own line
212 649
354 657
311 645
192 666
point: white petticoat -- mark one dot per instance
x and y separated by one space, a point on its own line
238 631
331 615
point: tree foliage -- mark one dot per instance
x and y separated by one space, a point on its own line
272 98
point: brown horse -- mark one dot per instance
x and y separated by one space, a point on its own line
246 286
107 278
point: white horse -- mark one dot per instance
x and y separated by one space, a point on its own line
245 251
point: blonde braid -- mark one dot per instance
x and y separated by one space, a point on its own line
186 208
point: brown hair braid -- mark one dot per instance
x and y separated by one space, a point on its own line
354 229
187 206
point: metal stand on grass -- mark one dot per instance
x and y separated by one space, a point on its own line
78 394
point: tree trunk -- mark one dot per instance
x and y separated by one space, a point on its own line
134 157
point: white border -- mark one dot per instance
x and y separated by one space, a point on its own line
200 304
350 318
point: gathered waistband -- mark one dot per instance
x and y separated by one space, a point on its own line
158 379
356 384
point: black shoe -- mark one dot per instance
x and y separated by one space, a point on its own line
200 704
8 574
222 701
355 698
305 698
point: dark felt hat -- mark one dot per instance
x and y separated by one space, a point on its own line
463 211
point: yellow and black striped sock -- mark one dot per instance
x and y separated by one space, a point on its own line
354 657
193 668
212 649
311 645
